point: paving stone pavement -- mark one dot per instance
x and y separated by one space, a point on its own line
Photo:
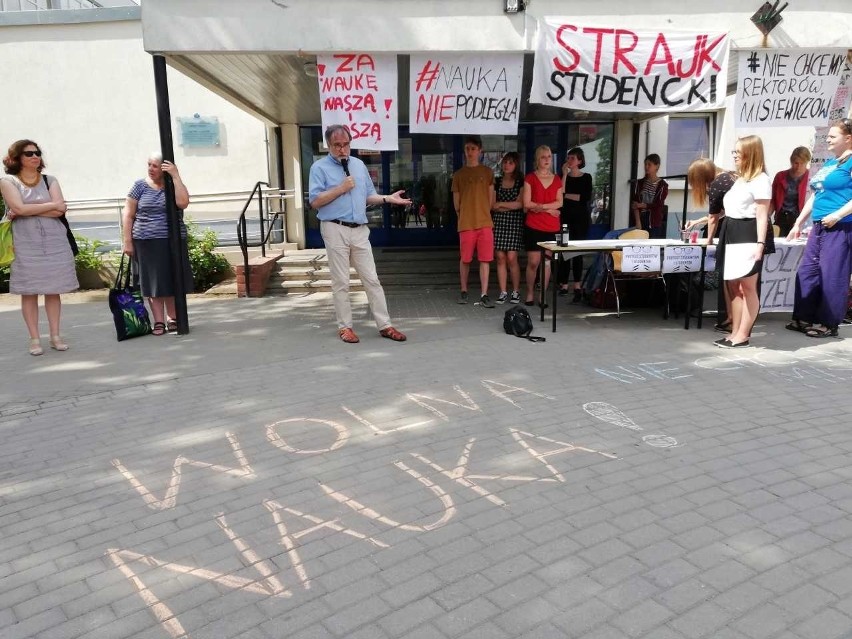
258 478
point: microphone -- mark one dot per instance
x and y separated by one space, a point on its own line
344 162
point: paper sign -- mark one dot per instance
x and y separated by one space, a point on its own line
640 259
682 259
787 87
465 93
358 90
778 278
839 110
620 69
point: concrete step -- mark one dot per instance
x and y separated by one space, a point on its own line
287 287
291 273
398 270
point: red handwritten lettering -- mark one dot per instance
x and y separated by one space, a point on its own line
599 34
660 43
621 50
571 51
431 108
360 61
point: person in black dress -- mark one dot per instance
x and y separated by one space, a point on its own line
575 213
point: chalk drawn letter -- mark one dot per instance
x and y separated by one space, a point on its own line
379 431
361 509
288 540
170 497
565 448
273 436
503 390
422 401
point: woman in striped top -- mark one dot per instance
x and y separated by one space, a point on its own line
146 238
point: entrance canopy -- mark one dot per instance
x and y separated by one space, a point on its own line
256 52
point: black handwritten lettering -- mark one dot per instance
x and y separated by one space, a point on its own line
473 79
630 90
478 108
789 109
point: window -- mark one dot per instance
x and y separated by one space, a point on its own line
688 141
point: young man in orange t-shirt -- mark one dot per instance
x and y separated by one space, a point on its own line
473 198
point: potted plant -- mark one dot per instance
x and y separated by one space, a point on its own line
89 262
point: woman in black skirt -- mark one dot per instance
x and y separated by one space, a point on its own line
146 238
746 207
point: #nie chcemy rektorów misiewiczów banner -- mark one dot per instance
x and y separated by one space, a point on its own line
787 87
598 68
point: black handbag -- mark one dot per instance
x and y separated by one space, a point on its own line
71 239
127 306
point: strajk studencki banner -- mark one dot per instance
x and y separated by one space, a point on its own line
616 69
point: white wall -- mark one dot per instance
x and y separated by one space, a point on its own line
85 93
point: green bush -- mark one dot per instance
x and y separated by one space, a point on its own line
208 267
89 256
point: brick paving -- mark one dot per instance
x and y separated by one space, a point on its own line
258 478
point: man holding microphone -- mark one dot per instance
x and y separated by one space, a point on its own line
340 189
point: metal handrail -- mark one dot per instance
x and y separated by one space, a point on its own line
242 230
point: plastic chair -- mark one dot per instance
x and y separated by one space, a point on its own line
615 274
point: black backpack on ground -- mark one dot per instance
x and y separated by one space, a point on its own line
517 322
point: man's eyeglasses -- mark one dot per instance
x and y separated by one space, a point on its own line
339 145
30 154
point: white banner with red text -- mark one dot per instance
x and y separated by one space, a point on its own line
359 91
465 93
598 68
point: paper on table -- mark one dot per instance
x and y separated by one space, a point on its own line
738 260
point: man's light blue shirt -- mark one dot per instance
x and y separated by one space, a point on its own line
326 173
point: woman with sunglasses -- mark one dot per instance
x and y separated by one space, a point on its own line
146 238
44 263
822 281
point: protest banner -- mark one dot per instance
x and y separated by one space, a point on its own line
465 93
787 87
640 259
682 259
778 276
358 90
839 110
617 69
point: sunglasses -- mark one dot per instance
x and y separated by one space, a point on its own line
30 154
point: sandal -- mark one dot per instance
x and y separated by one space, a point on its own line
171 325
348 336
159 329
35 347
821 331
391 333
799 326
57 343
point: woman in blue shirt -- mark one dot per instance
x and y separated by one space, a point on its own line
146 238
822 281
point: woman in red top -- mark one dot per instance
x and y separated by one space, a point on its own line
790 190
542 201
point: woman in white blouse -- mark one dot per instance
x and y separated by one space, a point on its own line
746 207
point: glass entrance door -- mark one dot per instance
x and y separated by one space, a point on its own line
423 167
